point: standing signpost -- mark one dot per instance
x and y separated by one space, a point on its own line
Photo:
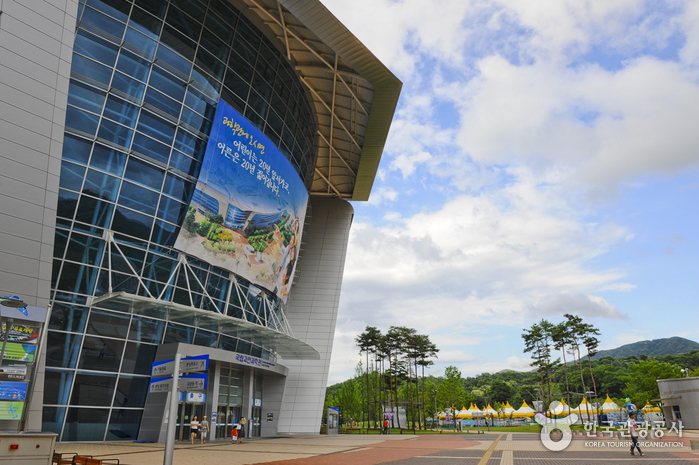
165 377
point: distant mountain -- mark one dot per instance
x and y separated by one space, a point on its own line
654 348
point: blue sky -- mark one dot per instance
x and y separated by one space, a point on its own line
543 159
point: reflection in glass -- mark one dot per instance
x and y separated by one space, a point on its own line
57 386
85 424
101 354
103 323
131 391
123 425
93 389
138 358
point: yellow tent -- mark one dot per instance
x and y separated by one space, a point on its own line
650 408
609 405
524 411
584 408
464 414
561 410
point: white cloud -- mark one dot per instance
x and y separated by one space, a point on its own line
578 303
621 287
406 163
381 195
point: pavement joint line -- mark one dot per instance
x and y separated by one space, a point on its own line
490 451
507 458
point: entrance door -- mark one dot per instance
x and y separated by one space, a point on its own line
185 414
256 429
226 417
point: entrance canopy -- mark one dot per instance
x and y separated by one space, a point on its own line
284 345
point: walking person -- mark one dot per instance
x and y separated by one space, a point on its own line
204 429
194 428
633 431
241 433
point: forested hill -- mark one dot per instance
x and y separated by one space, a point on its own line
654 348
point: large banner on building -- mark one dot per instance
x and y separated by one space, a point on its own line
248 208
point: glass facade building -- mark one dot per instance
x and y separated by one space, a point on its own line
145 80
107 107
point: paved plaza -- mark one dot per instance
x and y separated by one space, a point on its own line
443 449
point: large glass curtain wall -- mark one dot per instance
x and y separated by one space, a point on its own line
145 80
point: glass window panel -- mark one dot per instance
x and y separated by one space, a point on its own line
190 144
144 174
151 148
121 111
174 60
244 347
66 317
76 149
178 188
258 104
108 159
261 86
132 223
77 278
254 118
214 45
85 97
91 69
103 23
131 391
163 103
101 185
52 419
179 42
71 176
85 424
147 24
193 9
128 86
256 351
164 234
167 83
155 7
178 333
205 81
81 120
60 239
156 127
133 65
67 201
118 9
57 386
110 324
84 249
95 47
228 343
245 51
221 28
196 101
146 330
237 85
93 389
249 33
171 210
206 338
195 120
233 100
183 23
240 66
101 354
124 424
116 133
210 64
62 349
159 268
140 41
185 164
138 358
138 198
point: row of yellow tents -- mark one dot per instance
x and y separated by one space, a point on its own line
525 411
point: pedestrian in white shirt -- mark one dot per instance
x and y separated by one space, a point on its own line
633 431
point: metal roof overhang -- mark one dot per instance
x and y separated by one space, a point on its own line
286 346
353 94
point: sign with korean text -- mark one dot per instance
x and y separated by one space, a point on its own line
253 361
193 382
160 384
192 364
163 368
249 206
19 352
196 397
22 333
14 371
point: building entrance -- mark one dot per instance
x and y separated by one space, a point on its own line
185 413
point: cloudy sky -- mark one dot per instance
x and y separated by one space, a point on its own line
543 159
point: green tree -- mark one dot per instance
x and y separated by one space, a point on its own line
641 380
451 390
500 391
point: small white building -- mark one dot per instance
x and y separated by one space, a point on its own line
680 401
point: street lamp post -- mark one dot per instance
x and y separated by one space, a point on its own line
686 372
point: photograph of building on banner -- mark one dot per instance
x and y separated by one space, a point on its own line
248 208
